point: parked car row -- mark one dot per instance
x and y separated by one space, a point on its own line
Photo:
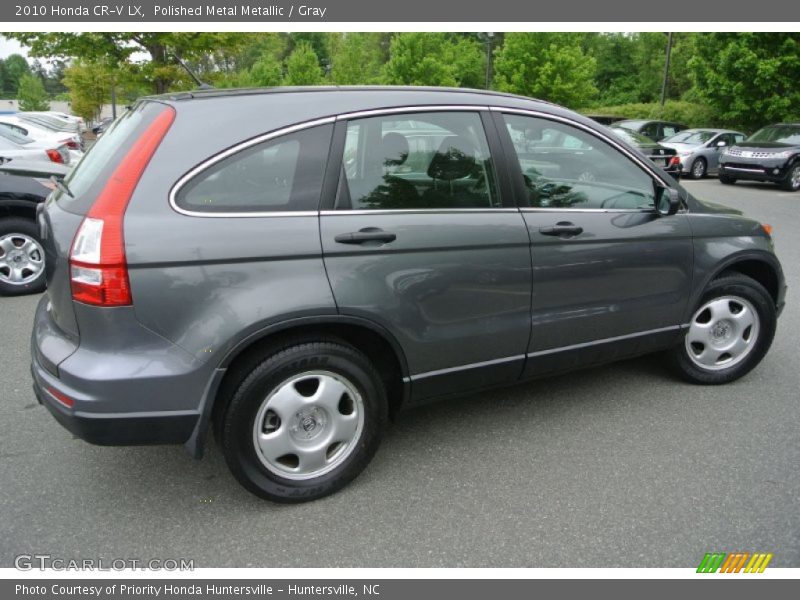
771 154
33 146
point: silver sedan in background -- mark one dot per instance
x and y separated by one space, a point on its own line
699 149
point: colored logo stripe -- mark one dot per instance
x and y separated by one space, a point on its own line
734 562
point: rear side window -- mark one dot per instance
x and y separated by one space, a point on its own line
281 174
89 176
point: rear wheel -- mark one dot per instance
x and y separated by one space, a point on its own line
304 422
699 168
727 180
792 181
21 258
729 332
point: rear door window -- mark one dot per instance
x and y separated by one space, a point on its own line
281 174
429 160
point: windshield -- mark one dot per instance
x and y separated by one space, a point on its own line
13 135
632 137
785 134
690 137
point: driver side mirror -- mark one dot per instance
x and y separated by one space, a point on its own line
721 143
668 201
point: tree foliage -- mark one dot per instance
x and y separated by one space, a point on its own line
434 58
118 49
356 58
550 66
14 68
742 80
31 94
748 78
302 66
89 84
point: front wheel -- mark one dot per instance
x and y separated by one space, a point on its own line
304 422
699 168
792 181
727 180
729 332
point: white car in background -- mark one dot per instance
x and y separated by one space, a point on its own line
15 146
42 133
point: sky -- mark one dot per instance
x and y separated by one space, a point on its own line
10 47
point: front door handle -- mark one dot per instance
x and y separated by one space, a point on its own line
368 234
562 229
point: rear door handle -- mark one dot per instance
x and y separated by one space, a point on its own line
563 229
368 234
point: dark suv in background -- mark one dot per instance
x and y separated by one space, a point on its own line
770 154
291 266
655 130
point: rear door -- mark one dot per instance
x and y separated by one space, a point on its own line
610 276
424 239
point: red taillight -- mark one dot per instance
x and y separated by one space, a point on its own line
62 398
55 155
71 144
98 268
675 160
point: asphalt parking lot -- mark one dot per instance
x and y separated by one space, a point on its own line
617 466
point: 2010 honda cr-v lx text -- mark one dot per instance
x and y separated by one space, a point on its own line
290 267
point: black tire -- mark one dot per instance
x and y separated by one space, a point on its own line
237 430
740 286
699 168
27 228
727 180
792 181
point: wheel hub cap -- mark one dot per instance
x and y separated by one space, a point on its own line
308 425
21 259
722 333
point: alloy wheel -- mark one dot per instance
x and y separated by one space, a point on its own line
722 333
308 425
21 259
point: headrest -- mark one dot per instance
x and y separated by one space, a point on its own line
455 159
394 147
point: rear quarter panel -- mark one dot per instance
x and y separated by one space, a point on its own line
205 283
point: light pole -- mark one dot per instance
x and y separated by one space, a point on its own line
666 70
489 39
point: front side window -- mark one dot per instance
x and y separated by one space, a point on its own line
566 167
431 160
281 174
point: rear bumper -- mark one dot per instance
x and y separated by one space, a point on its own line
129 396
117 429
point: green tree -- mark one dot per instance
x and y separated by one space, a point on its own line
266 71
302 66
749 79
15 67
89 85
551 66
356 58
31 94
435 58
118 49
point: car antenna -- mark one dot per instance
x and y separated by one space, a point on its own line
201 85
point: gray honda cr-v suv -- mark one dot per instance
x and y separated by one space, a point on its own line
292 266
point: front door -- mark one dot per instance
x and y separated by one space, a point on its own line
611 277
424 240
